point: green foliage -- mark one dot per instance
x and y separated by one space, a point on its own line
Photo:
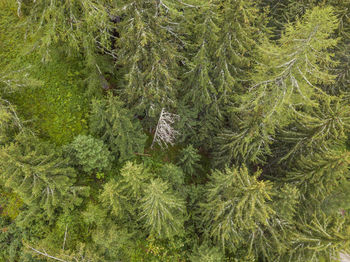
286 201
114 125
38 174
121 195
80 26
10 204
320 174
173 175
148 53
56 108
189 160
283 82
205 253
315 131
237 203
162 210
261 93
89 153
322 237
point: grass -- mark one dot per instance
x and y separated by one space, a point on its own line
57 109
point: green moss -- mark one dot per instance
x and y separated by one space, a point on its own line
58 108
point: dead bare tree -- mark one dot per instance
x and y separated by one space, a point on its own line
46 254
165 134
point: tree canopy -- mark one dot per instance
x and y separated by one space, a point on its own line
163 130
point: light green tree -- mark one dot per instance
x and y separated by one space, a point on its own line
147 51
162 210
287 79
38 174
238 207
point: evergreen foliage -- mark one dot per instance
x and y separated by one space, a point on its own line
189 161
148 54
116 127
40 176
236 203
162 210
89 153
252 103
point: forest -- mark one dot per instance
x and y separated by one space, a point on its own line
174 130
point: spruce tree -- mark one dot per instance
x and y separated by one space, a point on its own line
114 124
88 153
286 80
121 195
238 207
147 52
321 237
38 174
314 131
189 160
79 25
162 210
221 52
318 175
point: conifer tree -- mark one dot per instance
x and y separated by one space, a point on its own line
162 210
207 253
79 25
147 51
287 78
89 153
38 174
189 160
322 237
318 175
225 39
314 131
121 195
238 207
114 124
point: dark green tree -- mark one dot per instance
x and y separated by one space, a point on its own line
283 82
88 153
114 124
189 160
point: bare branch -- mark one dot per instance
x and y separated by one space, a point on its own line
65 237
165 134
46 254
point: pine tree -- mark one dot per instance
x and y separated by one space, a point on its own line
147 51
189 160
38 174
321 237
162 210
287 78
114 124
238 207
89 153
